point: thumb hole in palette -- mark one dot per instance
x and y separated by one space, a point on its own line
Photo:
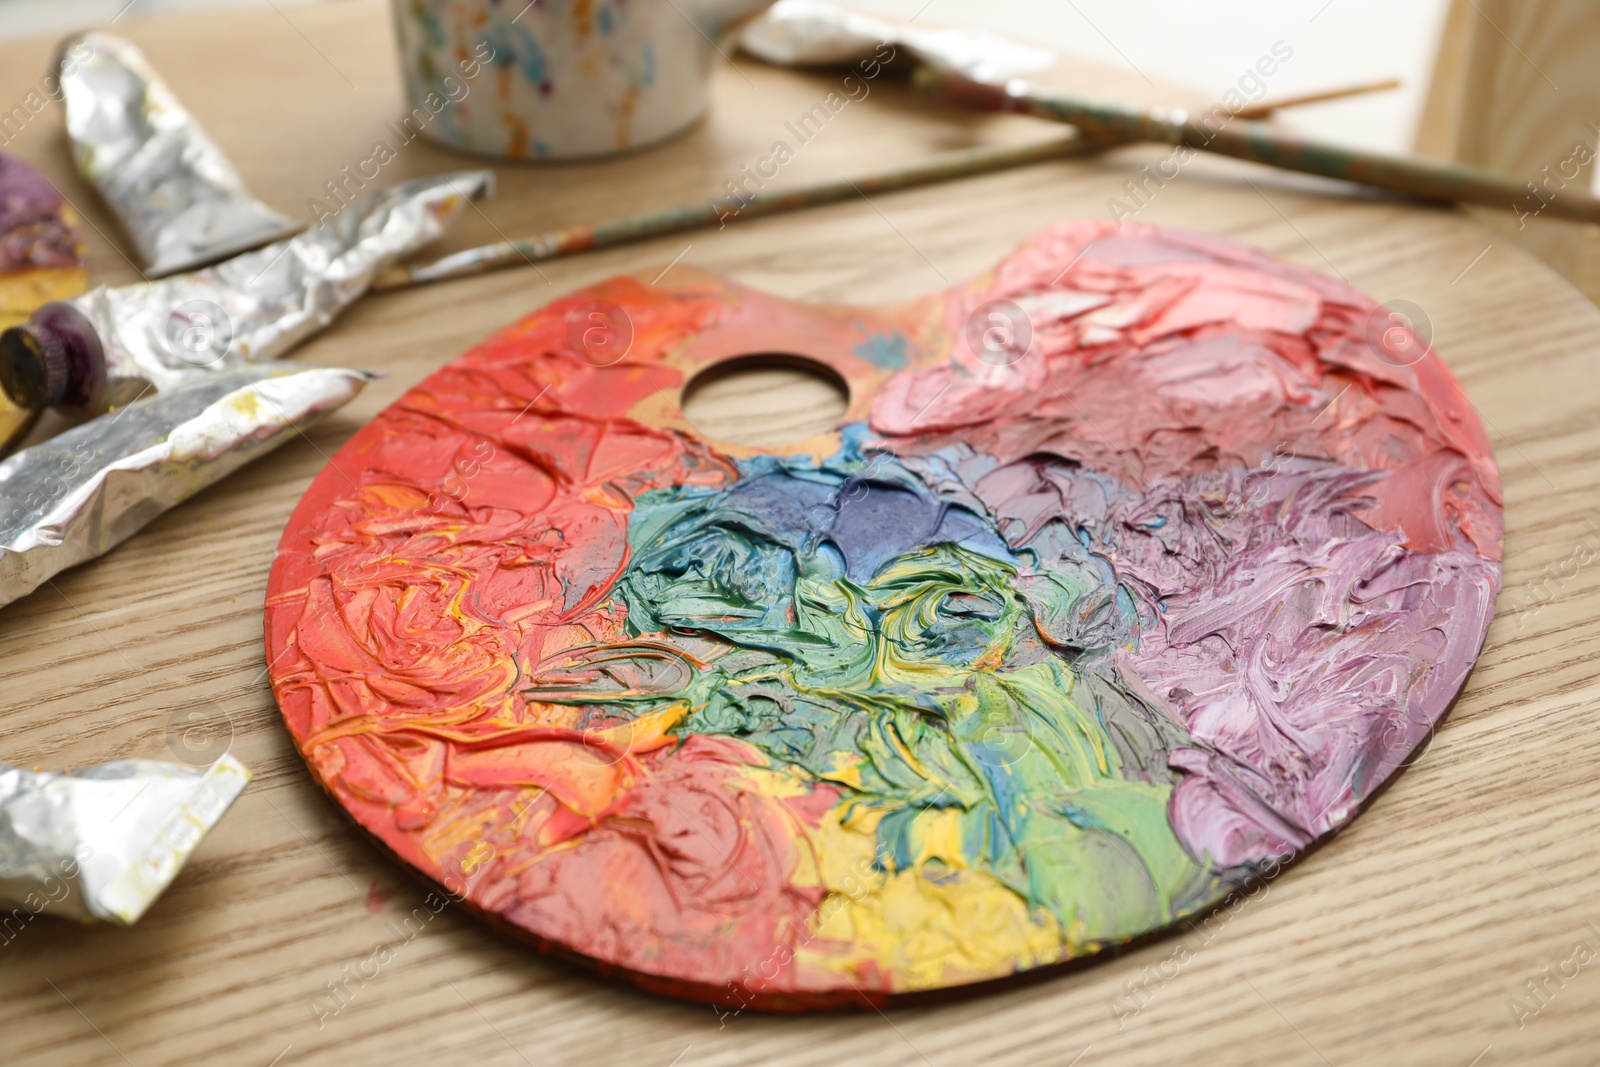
766 399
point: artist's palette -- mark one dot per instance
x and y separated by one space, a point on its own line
1133 568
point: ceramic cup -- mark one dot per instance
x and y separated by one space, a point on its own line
559 79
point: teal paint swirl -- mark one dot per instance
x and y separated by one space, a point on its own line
918 684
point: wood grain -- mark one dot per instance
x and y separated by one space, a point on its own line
763 404
1400 941
1515 89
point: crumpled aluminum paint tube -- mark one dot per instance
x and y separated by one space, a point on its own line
77 495
109 346
104 842
174 191
804 33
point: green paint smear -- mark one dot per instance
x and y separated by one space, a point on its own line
924 688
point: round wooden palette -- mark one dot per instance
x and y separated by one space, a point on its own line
1132 569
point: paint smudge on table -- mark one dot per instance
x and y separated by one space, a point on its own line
1030 657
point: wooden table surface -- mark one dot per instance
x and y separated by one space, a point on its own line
1402 940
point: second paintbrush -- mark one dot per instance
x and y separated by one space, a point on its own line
716 214
1219 131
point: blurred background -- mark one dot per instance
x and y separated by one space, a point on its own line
1509 85
1204 46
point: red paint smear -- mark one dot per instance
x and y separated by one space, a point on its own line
1203 355
474 529
689 876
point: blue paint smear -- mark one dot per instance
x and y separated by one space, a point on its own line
886 351
533 64
647 75
505 53
868 520
429 23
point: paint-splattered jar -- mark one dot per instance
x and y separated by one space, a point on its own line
558 79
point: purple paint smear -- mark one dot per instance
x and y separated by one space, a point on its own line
1279 538
32 231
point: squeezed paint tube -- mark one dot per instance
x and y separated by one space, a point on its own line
110 346
805 33
172 188
104 842
77 495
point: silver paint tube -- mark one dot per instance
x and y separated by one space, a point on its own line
172 188
111 345
104 842
74 497
806 33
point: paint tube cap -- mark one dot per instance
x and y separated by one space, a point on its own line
55 359
34 368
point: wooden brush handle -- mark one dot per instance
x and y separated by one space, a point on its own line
1223 133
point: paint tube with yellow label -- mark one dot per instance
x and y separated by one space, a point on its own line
79 494
102 843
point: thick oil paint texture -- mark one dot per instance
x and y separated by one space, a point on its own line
878 644
1310 532
1029 660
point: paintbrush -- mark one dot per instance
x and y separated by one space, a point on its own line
1218 131
719 213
